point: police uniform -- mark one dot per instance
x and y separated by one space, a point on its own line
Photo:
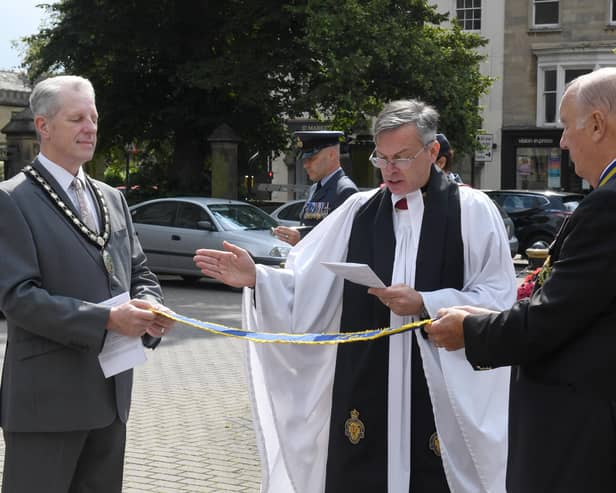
322 198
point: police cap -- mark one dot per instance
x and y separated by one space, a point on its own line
309 142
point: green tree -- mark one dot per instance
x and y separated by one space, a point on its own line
371 52
168 73
174 71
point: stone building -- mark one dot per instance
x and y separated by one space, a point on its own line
14 94
547 44
486 18
535 47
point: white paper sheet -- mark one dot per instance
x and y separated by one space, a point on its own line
357 273
120 352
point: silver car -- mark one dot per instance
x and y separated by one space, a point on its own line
288 214
171 229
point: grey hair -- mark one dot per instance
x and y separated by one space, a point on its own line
404 112
595 90
45 99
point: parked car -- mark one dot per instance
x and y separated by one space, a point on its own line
268 206
288 214
171 229
510 228
537 215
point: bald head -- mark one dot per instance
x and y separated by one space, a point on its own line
588 115
596 90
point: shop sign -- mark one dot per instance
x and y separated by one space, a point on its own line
537 141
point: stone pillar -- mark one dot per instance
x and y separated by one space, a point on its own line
362 172
224 144
21 142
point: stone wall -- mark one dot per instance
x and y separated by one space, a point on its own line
583 30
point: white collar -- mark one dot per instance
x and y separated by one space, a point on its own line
63 177
410 197
326 179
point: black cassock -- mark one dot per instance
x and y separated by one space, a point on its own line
361 376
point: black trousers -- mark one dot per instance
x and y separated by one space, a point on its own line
89 461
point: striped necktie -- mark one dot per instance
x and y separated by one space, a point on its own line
84 210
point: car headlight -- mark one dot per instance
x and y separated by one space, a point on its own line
280 251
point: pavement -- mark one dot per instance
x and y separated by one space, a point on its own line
190 428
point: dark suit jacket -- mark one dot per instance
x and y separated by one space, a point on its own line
562 420
51 280
337 189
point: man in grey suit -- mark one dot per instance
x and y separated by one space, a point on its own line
320 153
66 247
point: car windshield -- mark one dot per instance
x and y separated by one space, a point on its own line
241 217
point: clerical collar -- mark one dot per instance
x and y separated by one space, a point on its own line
92 236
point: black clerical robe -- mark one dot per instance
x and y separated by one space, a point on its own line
361 375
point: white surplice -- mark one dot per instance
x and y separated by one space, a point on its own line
291 386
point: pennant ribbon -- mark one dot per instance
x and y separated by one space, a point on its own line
284 338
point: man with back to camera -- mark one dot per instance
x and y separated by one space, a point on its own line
67 244
562 414
320 154
393 415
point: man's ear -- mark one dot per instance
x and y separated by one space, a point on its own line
41 126
598 125
433 149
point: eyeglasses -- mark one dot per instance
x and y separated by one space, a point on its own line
400 162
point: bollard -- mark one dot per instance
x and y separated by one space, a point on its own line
536 257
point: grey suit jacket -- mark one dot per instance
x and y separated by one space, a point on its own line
51 279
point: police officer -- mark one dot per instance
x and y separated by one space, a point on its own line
320 153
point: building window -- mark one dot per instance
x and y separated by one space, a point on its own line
612 11
551 83
545 13
549 95
468 13
571 74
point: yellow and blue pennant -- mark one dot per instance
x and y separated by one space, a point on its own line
298 338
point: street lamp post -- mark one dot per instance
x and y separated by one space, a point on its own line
130 149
